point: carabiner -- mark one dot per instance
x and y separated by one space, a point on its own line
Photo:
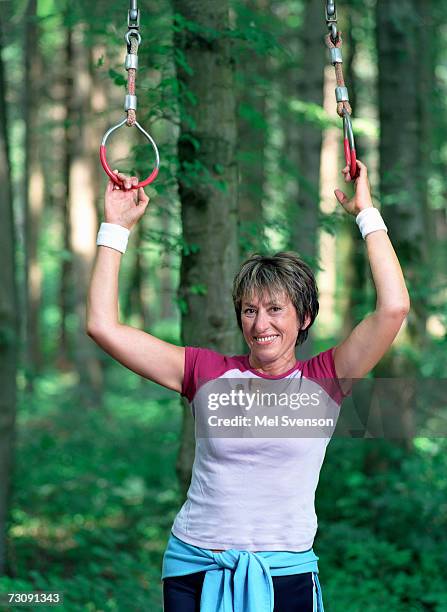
105 165
349 145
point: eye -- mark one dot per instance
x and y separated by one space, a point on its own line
249 311
276 308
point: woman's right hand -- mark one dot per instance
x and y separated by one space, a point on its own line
362 197
123 205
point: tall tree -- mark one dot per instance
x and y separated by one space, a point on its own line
9 330
207 184
34 189
304 82
304 140
252 89
356 266
82 214
134 302
403 170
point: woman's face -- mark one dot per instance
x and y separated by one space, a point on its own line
270 326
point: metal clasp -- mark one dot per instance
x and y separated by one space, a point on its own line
133 15
331 19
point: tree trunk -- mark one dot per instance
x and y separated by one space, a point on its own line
9 327
64 358
34 192
252 139
207 186
356 266
83 220
134 303
402 166
303 141
403 172
167 291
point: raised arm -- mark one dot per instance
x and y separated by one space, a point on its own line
373 336
143 353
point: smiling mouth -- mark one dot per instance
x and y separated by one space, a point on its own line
264 339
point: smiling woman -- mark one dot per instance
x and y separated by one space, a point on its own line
276 302
243 537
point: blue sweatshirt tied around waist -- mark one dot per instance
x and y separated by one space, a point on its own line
238 580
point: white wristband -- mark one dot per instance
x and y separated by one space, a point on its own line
113 236
370 220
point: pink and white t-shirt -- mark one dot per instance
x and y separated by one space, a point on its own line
254 494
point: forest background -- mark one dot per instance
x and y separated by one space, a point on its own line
95 461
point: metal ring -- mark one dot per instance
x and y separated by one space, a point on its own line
334 33
130 33
105 165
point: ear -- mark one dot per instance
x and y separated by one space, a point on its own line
306 323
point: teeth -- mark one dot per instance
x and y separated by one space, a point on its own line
265 339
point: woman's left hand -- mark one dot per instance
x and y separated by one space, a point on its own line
362 197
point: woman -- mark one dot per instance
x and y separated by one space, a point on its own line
243 539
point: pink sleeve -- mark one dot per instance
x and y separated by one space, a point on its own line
201 365
322 367
190 376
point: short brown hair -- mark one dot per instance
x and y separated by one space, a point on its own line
284 272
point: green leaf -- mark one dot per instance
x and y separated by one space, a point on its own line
198 289
117 78
182 304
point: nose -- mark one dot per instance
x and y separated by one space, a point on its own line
261 323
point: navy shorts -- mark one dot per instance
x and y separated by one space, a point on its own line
294 593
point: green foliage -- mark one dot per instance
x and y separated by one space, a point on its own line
382 539
117 78
198 289
95 492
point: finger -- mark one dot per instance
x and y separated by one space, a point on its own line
127 183
362 170
361 165
134 181
118 174
116 184
341 196
142 197
124 178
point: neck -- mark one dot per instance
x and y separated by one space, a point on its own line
273 368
